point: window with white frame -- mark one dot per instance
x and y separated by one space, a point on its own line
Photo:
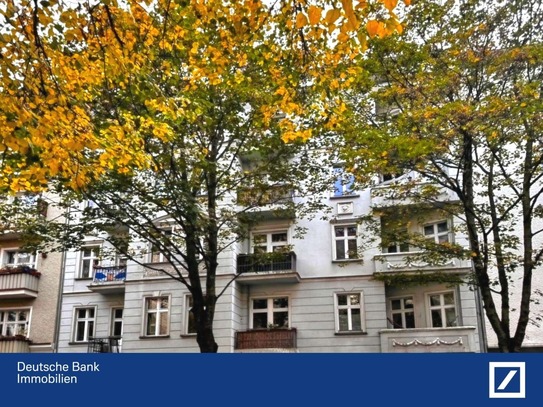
14 322
442 307
438 232
398 246
190 322
116 322
16 257
90 257
345 242
157 316
268 242
270 313
402 313
84 323
349 312
343 183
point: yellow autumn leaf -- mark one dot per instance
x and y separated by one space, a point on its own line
332 15
390 4
375 28
301 20
314 13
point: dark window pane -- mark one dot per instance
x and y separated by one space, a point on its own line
340 249
435 300
279 237
442 227
151 324
356 320
448 298
80 331
396 304
397 321
280 319
280 302
353 250
81 313
260 304
340 232
342 299
409 320
450 314
118 313
343 320
429 230
260 320
351 231
437 322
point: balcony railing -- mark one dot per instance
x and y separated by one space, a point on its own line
411 261
14 344
266 339
428 340
274 194
266 262
401 193
110 273
263 267
108 279
19 283
110 344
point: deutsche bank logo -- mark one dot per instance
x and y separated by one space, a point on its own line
507 380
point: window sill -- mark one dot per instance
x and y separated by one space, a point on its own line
187 336
335 198
349 333
341 261
82 278
155 337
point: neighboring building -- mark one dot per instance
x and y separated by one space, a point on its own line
316 294
29 291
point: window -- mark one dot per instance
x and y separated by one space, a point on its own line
349 312
90 257
14 322
345 244
442 309
402 313
157 316
343 183
116 322
190 323
269 313
84 323
437 232
267 242
15 257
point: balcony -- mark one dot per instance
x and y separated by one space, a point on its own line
265 204
108 280
404 192
268 339
19 282
411 261
110 344
14 344
267 267
429 340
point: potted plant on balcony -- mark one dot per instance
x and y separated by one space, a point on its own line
19 270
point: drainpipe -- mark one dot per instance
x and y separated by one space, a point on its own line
481 320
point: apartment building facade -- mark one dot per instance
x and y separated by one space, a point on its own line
322 292
29 288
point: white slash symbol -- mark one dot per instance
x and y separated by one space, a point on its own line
507 379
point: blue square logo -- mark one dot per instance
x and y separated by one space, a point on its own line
507 379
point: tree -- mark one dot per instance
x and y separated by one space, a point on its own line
60 57
151 109
459 97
